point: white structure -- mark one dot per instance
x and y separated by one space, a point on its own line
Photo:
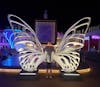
31 51
67 55
27 44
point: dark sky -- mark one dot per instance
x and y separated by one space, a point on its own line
66 12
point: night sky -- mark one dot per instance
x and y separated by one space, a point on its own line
65 12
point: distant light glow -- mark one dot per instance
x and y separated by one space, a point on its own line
9 35
11 61
95 37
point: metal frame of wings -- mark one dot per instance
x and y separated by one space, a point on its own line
67 55
31 52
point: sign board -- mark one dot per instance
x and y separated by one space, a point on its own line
46 31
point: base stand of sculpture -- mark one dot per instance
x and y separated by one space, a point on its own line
70 76
28 75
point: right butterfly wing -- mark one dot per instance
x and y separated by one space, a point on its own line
67 54
30 50
76 31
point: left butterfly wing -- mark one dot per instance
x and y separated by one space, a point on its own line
67 53
30 50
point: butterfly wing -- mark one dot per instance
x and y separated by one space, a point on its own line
67 53
30 50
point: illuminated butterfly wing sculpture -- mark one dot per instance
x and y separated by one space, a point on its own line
31 53
67 53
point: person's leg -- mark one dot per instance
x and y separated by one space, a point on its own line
50 70
47 70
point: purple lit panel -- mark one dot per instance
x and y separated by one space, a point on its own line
46 31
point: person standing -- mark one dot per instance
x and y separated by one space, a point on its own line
49 49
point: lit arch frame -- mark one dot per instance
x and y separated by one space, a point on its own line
67 55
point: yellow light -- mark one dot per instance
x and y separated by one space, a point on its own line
43 71
10 70
84 71
54 71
